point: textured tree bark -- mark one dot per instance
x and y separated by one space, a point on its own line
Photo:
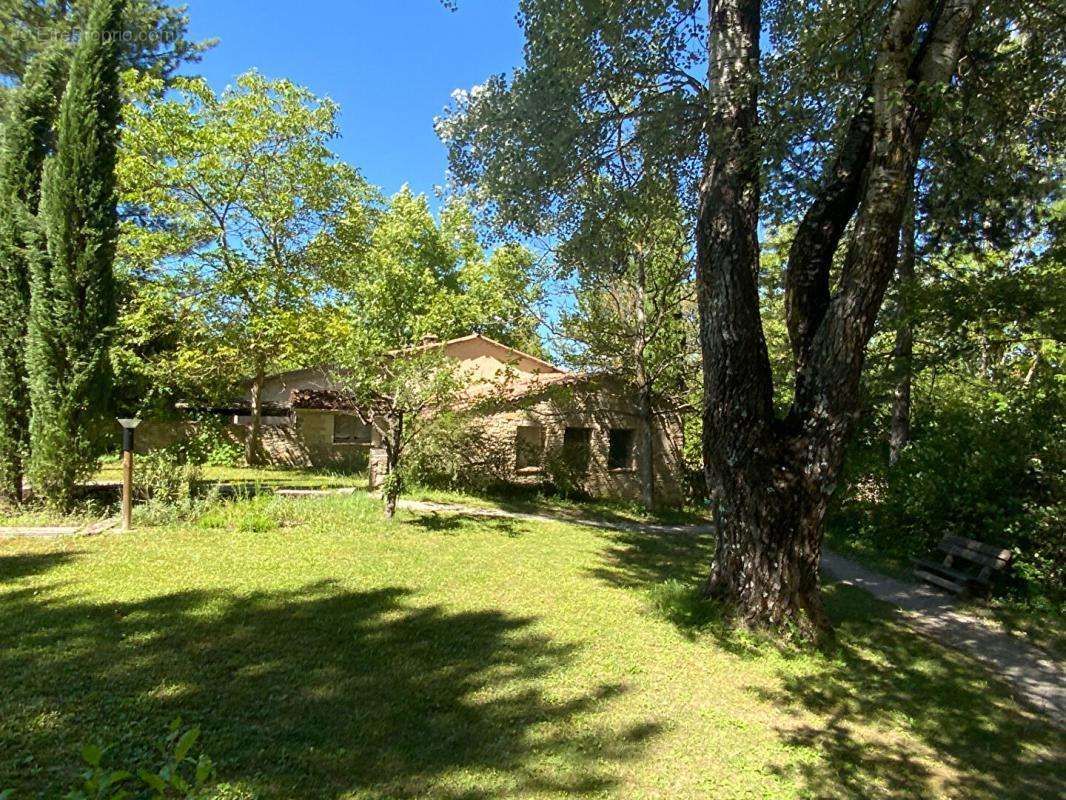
818 234
766 559
646 455
391 485
903 351
772 479
252 450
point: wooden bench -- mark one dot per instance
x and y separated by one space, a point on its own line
968 566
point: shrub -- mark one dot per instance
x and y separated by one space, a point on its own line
566 477
208 442
179 775
986 467
456 452
167 477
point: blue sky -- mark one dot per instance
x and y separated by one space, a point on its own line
391 65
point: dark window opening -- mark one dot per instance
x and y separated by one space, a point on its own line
620 449
529 446
349 429
577 447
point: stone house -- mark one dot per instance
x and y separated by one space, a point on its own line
525 415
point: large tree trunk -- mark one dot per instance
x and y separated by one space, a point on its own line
766 559
646 452
903 352
391 486
772 479
769 544
252 448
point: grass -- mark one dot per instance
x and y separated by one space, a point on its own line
326 653
270 477
533 501
241 478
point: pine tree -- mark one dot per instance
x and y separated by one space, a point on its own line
27 139
72 291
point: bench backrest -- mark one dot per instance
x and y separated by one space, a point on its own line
978 552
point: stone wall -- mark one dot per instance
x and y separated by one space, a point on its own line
307 441
493 434
315 430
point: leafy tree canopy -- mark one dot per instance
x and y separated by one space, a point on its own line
233 203
152 39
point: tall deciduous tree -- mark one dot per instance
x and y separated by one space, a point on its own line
615 89
72 298
419 280
774 477
28 139
240 202
630 263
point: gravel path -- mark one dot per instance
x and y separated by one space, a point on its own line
1034 675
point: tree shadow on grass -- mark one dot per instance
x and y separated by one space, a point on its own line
882 675
319 692
457 523
884 695
641 558
22 565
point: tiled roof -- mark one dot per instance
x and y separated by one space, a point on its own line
323 399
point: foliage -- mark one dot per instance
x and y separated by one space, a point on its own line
167 476
418 277
995 147
235 205
633 315
208 442
27 140
72 298
418 282
566 474
402 395
457 452
986 462
152 36
180 776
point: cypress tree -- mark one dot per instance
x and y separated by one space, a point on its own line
27 139
72 289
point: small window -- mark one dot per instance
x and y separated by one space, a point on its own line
620 449
529 446
349 429
577 447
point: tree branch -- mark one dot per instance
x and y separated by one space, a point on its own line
819 233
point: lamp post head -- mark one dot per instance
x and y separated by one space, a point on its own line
129 422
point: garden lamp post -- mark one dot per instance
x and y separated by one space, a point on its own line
128 425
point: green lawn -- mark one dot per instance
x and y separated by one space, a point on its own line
328 654
111 472
535 502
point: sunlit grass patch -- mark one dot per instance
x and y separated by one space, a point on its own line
326 652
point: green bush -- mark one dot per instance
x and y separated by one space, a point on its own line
984 466
455 452
178 776
167 477
566 475
208 442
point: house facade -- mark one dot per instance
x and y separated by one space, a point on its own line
530 423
